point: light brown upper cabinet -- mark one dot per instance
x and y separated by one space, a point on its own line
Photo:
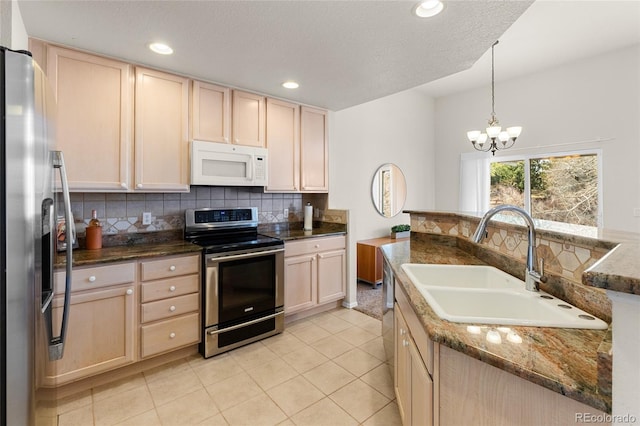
283 143
94 118
314 153
248 119
161 131
211 112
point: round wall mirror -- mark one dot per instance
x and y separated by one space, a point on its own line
389 190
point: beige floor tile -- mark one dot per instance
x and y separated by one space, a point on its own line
375 347
297 325
352 316
329 377
216 369
191 409
283 343
79 417
64 405
148 418
380 379
122 406
295 395
388 416
163 371
272 373
322 413
233 391
260 410
372 325
253 355
217 420
169 388
330 322
287 422
357 361
360 400
356 336
305 359
311 334
332 346
123 385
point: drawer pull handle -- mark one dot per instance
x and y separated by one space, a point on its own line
172 308
172 288
92 279
129 292
172 268
172 335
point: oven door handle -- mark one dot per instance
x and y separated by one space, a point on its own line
244 324
214 258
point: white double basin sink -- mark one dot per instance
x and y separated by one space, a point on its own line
486 295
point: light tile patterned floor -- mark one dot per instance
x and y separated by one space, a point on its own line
324 370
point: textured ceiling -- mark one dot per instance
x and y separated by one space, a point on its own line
342 53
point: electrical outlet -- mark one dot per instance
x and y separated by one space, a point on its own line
146 218
286 213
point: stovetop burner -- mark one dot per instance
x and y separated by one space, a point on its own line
224 230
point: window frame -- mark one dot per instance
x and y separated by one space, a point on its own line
527 157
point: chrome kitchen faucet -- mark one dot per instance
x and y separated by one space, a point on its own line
533 278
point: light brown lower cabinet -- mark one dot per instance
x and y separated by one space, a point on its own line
101 333
437 385
314 272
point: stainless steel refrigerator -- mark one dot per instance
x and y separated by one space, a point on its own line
28 234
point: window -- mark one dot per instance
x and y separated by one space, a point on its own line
562 191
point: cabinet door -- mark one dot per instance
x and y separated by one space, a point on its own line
402 376
248 119
283 142
100 334
300 283
331 276
161 132
421 389
211 112
94 118
314 153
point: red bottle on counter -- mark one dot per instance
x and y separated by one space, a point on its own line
94 232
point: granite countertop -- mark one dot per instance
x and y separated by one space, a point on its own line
618 270
82 257
293 231
562 360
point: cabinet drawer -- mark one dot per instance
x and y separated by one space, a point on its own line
172 287
169 267
171 334
169 307
96 277
313 245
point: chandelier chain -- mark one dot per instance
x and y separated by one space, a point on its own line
493 91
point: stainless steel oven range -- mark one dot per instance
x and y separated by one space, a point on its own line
242 280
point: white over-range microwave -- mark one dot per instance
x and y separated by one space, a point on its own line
224 164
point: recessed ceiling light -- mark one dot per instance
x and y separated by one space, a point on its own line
428 8
161 48
290 85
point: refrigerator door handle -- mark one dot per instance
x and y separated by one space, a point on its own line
56 344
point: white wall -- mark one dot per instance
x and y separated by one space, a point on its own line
595 98
13 34
396 129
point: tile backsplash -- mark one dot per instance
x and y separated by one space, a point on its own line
122 212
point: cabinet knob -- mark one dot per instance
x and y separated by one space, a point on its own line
172 268
139 186
92 279
172 335
123 185
172 308
405 343
403 331
317 246
172 288
237 140
226 139
130 292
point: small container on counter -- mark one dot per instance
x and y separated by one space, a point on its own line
94 232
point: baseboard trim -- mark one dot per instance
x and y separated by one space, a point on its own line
349 305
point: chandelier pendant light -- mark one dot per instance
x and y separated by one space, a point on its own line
507 138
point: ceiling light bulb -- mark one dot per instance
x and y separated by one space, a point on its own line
428 8
493 131
482 139
514 131
161 48
473 135
290 85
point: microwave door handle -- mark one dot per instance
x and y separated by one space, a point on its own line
250 168
56 343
